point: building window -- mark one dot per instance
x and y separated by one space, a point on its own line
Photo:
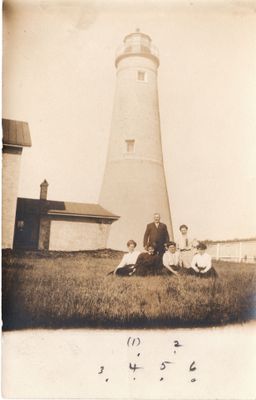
20 225
141 76
130 146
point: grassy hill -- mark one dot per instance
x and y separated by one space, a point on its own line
62 290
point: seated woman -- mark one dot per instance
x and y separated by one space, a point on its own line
172 259
202 263
126 266
148 263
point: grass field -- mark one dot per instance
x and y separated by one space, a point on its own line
62 290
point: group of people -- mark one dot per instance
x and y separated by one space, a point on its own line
162 256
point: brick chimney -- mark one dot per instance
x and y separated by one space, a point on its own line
43 191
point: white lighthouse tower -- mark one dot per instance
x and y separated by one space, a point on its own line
134 185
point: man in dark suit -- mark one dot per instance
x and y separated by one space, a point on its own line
157 235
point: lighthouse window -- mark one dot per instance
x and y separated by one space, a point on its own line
141 76
130 146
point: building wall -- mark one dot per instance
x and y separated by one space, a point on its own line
234 250
74 236
11 170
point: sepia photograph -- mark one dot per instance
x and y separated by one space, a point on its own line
128 199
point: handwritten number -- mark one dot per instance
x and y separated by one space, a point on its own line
133 341
192 366
101 370
163 365
134 367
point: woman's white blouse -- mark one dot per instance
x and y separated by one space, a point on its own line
202 261
128 258
171 258
183 242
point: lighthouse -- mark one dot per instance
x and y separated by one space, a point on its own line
134 184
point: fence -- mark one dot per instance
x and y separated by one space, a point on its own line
238 251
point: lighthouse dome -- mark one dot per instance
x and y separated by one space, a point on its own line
137 43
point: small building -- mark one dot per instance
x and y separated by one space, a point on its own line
238 250
59 225
16 135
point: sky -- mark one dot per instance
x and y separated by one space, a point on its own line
59 76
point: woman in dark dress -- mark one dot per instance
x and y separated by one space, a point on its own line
148 263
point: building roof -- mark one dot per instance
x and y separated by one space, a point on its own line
86 209
16 133
62 208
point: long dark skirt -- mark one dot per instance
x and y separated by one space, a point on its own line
148 270
127 270
148 265
188 271
209 274
166 271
